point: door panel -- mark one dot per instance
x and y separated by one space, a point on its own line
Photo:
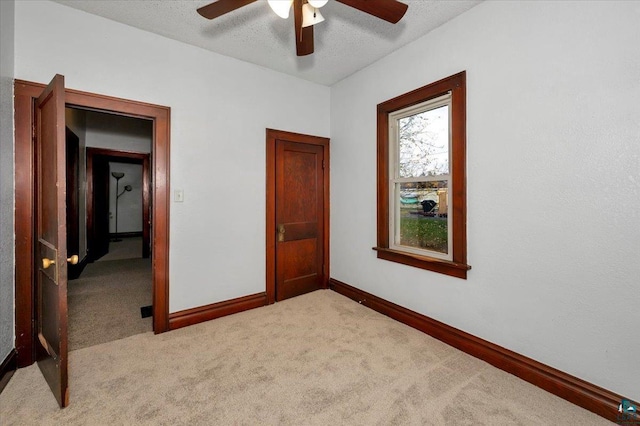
100 237
73 205
298 263
299 180
51 235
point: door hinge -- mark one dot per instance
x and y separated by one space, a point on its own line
323 164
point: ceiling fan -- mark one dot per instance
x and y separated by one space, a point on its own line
306 14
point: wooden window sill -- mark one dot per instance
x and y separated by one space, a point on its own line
447 267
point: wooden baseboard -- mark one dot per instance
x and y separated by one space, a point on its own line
125 234
7 368
584 394
216 310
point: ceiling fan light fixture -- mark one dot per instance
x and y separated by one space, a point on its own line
310 15
306 14
281 7
317 3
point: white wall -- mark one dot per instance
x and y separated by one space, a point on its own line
553 129
220 108
130 202
119 133
7 253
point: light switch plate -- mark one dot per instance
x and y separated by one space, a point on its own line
178 196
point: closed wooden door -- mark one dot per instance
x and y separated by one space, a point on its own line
51 240
299 218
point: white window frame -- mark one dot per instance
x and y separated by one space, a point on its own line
395 180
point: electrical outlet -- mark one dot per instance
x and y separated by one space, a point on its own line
178 196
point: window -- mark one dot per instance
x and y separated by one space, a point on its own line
421 178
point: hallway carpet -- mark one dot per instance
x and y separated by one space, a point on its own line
317 359
104 303
127 248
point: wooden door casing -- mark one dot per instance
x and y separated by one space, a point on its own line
51 239
297 199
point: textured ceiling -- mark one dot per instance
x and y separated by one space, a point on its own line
347 41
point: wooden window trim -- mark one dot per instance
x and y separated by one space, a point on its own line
272 136
458 267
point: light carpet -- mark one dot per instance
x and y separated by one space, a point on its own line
318 359
104 303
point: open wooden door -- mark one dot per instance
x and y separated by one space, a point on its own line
73 200
99 238
51 240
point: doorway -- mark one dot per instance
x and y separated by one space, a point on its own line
108 198
25 94
112 297
297 214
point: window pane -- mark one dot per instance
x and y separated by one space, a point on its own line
423 217
424 143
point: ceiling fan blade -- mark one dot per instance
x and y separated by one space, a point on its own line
389 10
220 7
304 36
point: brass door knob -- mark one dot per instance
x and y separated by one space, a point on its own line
48 262
281 231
